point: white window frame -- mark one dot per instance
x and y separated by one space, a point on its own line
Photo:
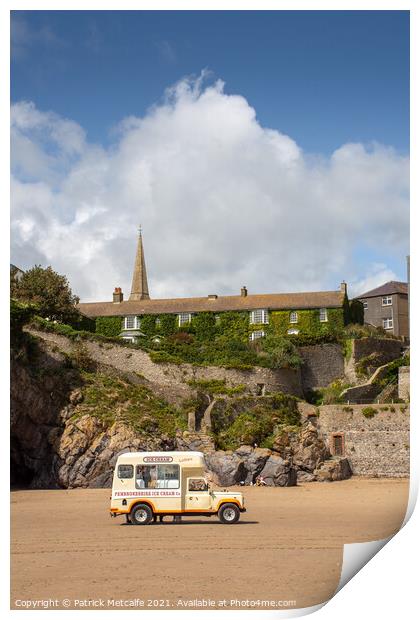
184 318
257 334
293 317
365 305
387 300
293 331
255 315
388 323
136 322
128 338
323 315
158 322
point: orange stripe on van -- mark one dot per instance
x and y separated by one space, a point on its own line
227 500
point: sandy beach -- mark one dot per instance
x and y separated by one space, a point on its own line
287 548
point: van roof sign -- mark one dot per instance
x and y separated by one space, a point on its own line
190 459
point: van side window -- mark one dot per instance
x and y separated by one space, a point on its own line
125 471
197 484
157 476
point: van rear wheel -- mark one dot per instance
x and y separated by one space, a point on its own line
141 514
228 513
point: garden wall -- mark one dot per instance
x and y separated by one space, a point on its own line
322 364
175 377
374 446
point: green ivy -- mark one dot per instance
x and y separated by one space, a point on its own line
109 326
308 323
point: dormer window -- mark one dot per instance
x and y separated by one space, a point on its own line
256 335
131 322
293 317
258 317
184 318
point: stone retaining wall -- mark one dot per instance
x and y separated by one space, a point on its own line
322 364
386 349
375 446
404 383
174 378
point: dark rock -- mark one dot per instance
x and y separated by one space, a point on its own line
334 469
278 472
254 461
228 468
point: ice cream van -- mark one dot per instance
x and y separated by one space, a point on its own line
148 485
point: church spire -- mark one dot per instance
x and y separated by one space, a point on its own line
139 286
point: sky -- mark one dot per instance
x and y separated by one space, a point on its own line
266 149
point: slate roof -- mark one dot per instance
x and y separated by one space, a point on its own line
389 288
276 301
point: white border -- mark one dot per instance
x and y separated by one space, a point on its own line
386 585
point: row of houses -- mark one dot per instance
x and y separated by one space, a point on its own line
288 314
324 311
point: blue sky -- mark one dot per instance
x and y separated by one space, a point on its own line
305 145
322 77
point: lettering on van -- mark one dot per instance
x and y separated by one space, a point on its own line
147 493
158 459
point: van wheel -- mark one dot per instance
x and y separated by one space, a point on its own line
228 513
141 514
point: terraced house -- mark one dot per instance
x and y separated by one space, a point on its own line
239 317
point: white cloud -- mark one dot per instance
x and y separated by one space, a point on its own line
223 201
376 275
24 37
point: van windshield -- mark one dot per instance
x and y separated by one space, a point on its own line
157 477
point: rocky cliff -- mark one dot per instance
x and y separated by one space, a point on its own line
71 417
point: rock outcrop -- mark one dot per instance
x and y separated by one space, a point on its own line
60 439
334 469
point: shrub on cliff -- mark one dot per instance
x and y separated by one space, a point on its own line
49 291
113 399
247 421
20 315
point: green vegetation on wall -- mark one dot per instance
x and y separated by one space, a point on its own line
248 421
109 326
113 399
308 323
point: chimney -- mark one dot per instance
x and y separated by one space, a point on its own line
343 287
212 296
117 296
244 291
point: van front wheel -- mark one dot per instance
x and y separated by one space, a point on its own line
141 514
228 513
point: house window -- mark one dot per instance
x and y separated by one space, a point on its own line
337 444
387 301
258 317
323 316
158 322
387 323
131 322
217 319
129 338
365 305
256 335
184 318
293 317
293 331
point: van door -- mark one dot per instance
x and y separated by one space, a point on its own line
197 495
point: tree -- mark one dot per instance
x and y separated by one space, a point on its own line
49 291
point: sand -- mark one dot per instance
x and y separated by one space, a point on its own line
287 548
